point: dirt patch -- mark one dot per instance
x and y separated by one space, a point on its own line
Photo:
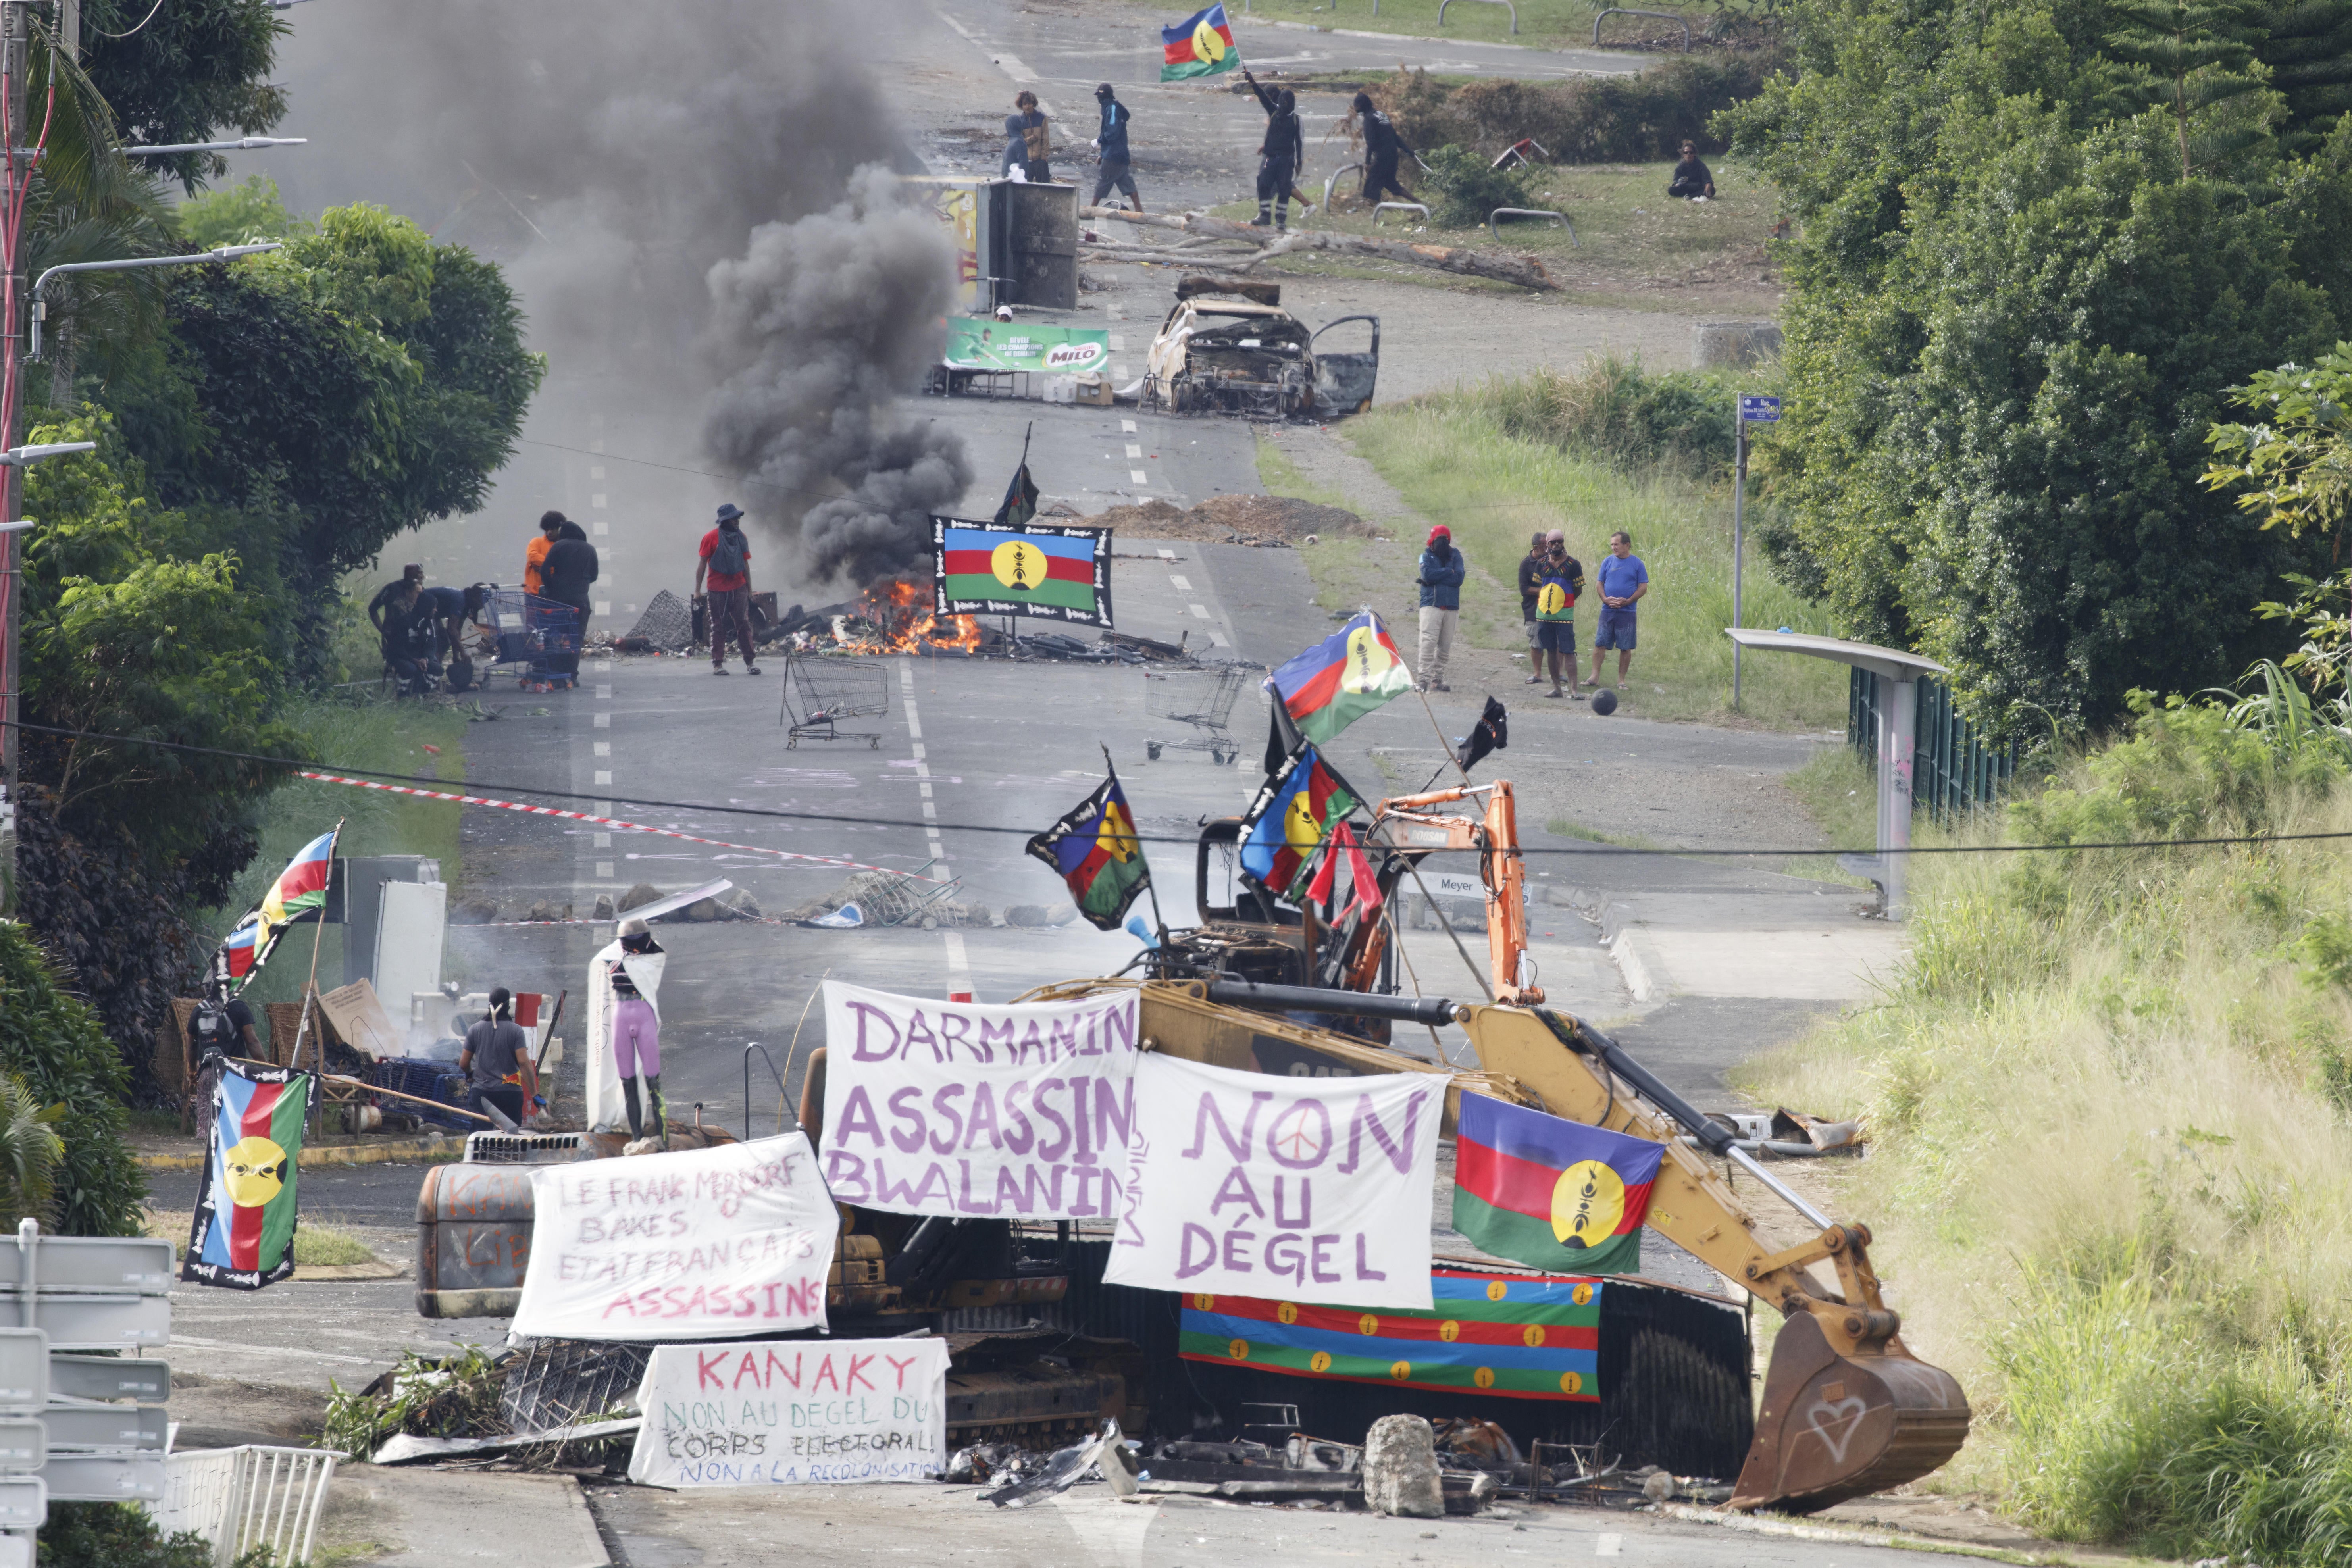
1269 521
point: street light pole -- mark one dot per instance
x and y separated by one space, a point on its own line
17 162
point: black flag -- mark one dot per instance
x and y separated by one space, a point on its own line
1493 734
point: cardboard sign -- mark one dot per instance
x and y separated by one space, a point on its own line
1306 1189
693 1245
951 1107
791 1412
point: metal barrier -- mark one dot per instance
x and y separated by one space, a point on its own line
248 1498
1532 212
782 1091
522 1148
1619 11
1513 10
1342 169
1398 207
1955 768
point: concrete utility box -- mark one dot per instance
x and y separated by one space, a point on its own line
1016 244
392 941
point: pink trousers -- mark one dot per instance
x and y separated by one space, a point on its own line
636 1037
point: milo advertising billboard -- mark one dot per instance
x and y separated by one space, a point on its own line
982 344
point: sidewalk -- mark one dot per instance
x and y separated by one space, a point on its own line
392 1517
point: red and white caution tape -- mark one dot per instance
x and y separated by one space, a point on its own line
607 822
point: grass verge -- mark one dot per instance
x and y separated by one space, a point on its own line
315 1246
2108 1108
1449 456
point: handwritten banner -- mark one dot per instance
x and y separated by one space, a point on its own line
1309 1189
950 1108
692 1245
784 1413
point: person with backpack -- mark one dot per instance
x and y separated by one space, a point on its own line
1028 141
727 563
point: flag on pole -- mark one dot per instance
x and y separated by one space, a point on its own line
1095 850
1020 498
244 1233
299 888
1299 804
1551 1193
1363 888
1342 679
1200 44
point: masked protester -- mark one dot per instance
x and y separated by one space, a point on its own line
1441 572
624 1032
1381 145
1280 155
1111 142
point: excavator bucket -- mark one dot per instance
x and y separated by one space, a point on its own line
1834 1426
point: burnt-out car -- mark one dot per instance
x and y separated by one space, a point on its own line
1229 347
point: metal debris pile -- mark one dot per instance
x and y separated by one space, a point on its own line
544 1406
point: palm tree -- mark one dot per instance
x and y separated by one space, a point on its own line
29 1152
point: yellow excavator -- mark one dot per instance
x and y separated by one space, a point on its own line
1846 1409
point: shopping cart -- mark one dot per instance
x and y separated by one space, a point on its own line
1200 698
538 634
819 693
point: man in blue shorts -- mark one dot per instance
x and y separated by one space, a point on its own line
1555 620
1623 580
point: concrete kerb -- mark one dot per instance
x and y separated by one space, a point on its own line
1617 924
405 1149
1849 1535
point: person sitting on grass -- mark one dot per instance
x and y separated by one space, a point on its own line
1691 178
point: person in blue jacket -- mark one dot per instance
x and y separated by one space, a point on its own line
1441 567
1111 142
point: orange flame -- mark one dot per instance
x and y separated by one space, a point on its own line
900 612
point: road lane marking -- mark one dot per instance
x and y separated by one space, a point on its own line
1117 344
1202 611
597 500
604 527
914 723
1609 1543
1133 450
1217 639
604 869
957 961
1127 426
604 777
1184 583
180 1338
603 841
1168 555
604 748
602 721
603 694
604 606
1137 476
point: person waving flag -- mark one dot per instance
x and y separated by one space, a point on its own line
1200 44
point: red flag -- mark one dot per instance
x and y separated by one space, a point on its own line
1363 892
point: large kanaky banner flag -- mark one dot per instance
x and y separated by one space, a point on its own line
1551 1193
953 1108
1241 1183
1484 1333
243 1233
1021 569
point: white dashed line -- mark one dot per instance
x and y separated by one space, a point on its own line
597 500
931 808
1168 555
1138 477
1202 611
1217 639
601 666
603 694
1117 344
603 721
924 787
957 961
604 606
605 748
604 777
1184 584
1608 1545
1127 426
914 723
603 841
604 869
1133 450
604 527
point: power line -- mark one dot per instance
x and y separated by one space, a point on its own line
299 765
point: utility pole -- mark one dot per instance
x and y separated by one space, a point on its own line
1749 409
15 176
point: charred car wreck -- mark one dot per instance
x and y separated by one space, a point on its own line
1229 347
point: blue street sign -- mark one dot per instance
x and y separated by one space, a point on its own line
1755 410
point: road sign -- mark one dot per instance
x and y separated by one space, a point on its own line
107 1377
24 1444
93 1323
105 1428
104 1478
16 1551
24 1369
1754 409
24 1502
139 1265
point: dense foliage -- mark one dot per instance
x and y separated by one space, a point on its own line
121 1535
192 70
52 1042
2030 261
1631 119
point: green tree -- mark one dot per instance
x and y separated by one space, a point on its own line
52 1044
250 210
2012 319
2195 56
185 71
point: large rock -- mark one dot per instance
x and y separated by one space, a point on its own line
1400 1469
642 894
604 911
702 910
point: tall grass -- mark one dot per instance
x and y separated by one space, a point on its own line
1498 462
2112 1182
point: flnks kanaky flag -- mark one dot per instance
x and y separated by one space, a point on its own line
1551 1193
1200 44
1292 816
1095 850
243 1233
1338 681
299 888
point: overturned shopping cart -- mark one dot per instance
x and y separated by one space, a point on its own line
821 692
1202 698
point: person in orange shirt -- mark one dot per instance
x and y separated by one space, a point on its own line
552 525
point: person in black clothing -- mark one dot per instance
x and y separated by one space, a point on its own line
1381 145
1691 178
1028 141
1279 156
1531 578
496 1062
564 576
222 1026
405 620
1117 170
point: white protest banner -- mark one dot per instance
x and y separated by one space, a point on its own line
1240 1184
781 1413
950 1108
691 1245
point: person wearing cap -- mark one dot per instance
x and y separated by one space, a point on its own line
727 563
1562 583
631 970
1111 142
1441 572
499 1076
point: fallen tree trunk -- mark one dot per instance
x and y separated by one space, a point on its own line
1522 272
